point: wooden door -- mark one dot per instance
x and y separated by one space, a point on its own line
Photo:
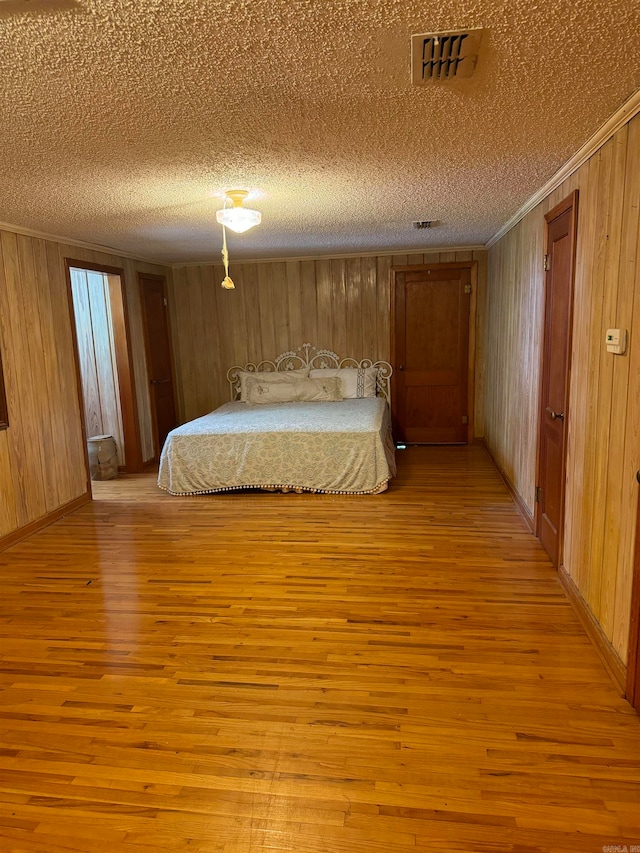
554 398
430 352
159 358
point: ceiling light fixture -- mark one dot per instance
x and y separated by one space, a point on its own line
238 218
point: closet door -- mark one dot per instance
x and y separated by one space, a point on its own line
430 352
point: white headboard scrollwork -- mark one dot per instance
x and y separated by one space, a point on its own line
308 356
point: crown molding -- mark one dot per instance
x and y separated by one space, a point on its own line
110 250
385 254
622 116
94 247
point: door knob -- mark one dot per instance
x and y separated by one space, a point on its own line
555 415
158 381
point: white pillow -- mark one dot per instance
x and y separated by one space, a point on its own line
319 389
356 381
270 376
300 390
258 390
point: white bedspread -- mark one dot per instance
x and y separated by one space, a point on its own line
320 447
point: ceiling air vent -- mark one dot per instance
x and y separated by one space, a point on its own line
436 57
424 223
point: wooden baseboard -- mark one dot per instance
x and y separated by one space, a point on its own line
29 529
517 499
610 658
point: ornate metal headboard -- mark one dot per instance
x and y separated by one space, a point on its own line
308 356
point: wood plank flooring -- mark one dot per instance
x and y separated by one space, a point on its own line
306 674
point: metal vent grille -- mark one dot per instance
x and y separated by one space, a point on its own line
437 57
423 223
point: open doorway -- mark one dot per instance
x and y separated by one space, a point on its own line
104 368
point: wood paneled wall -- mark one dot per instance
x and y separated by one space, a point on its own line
604 411
42 455
96 351
339 304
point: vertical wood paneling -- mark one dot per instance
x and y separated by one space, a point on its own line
294 300
266 308
604 408
580 437
630 463
217 312
383 308
338 305
22 377
8 510
601 367
57 475
68 424
13 511
353 308
481 312
323 305
35 346
42 453
310 332
198 362
624 451
251 312
342 304
180 344
279 294
368 317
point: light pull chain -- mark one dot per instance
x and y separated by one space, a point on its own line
227 282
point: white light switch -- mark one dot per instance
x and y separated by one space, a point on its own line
617 341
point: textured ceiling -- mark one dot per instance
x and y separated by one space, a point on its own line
120 118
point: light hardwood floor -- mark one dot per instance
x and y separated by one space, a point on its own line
305 674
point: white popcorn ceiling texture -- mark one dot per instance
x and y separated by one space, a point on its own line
119 118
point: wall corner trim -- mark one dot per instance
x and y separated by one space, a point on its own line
629 109
337 256
81 244
29 529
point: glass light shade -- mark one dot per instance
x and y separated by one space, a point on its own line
238 219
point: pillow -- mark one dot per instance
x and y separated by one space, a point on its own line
270 376
319 389
300 390
356 381
259 390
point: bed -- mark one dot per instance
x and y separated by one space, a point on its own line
323 444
